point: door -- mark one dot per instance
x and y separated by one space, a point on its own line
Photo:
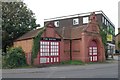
49 52
93 52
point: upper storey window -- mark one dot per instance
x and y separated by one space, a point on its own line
76 21
103 20
85 20
56 23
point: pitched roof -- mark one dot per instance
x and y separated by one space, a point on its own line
30 34
70 32
76 32
65 32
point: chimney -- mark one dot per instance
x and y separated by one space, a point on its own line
93 18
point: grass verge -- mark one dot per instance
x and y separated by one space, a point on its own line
73 62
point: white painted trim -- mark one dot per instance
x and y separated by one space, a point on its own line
111 44
78 15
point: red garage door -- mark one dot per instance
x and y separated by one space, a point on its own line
93 52
49 52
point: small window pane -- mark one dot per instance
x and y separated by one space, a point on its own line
91 58
57 59
75 21
57 54
47 59
90 47
94 58
53 54
105 21
90 53
94 50
54 59
102 19
40 54
56 43
40 42
94 47
51 59
90 50
95 53
42 60
56 23
85 20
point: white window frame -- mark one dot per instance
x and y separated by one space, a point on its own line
76 21
105 22
56 23
85 20
103 19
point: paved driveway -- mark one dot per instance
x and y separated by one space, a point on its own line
103 70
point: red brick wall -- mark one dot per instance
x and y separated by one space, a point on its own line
76 55
25 44
86 39
50 32
65 50
28 58
37 59
27 48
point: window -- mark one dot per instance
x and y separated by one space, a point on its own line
75 21
109 24
85 20
102 19
56 23
108 28
42 60
49 51
54 49
105 21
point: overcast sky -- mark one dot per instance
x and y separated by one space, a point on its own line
45 9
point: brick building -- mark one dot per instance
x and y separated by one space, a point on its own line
117 39
83 43
77 20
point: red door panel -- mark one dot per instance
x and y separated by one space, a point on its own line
93 52
49 52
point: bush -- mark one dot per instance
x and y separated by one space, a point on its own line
15 57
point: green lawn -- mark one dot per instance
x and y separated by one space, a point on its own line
73 62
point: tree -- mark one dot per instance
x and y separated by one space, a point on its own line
17 19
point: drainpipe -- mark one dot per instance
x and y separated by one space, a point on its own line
70 49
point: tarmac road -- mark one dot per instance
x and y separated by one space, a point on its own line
102 70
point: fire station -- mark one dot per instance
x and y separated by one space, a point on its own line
82 43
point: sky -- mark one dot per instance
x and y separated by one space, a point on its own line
45 9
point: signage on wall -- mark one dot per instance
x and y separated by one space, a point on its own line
109 37
51 39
